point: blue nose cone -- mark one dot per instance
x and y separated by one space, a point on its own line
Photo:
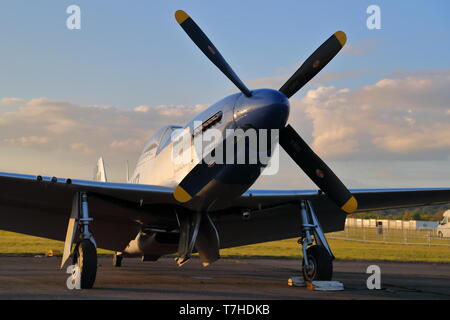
265 109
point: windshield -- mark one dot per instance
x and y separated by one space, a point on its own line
166 137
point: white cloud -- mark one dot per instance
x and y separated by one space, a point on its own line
28 141
141 108
81 147
402 118
11 101
44 124
126 145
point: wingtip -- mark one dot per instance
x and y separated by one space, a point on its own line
341 36
181 16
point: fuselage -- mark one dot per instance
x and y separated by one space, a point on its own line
158 164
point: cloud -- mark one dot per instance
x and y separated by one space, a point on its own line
397 118
126 145
42 124
28 141
170 111
11 101
142 108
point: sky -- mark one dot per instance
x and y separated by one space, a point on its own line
379 113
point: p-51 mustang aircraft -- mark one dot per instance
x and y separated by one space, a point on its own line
167 208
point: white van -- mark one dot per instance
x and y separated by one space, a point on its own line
443 230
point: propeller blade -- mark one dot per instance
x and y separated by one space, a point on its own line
195 181
314 63
316 169
207 47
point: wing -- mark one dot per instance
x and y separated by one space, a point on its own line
274 214
41 206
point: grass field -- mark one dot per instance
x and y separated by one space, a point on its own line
19 244
407 236
349 250
16 244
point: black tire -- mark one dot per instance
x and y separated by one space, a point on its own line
322 264
117 260
86 259
440 234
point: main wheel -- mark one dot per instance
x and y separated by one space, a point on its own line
86 259
440 234
321 264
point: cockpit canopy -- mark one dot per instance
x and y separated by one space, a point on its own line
159 141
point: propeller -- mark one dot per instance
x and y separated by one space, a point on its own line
290 140
206 46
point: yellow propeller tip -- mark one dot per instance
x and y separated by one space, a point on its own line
342 38
350 206
181 195
181 16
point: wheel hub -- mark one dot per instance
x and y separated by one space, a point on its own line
310 269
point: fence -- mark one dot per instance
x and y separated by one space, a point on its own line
391 224
407 236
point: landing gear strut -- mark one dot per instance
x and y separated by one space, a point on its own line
317 261
85 252
189 226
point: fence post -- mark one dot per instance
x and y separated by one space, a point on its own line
429 238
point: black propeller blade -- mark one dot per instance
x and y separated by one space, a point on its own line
195 181
314 63
316 169
207 47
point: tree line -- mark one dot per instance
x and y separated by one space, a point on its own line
429 213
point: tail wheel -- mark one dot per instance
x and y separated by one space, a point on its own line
86 259
321 264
